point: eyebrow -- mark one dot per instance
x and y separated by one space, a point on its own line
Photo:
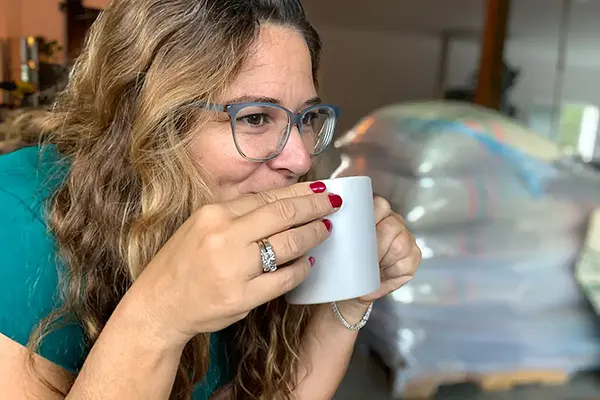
263 99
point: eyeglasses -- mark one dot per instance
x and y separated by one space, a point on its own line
261 130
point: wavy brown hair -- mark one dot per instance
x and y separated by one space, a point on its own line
123 124
21 128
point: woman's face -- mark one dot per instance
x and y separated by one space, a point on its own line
279 68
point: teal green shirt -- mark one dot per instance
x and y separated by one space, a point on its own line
29 267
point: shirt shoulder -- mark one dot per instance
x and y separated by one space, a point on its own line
29 270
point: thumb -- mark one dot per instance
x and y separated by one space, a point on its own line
383 208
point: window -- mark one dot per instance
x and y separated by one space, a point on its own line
578 127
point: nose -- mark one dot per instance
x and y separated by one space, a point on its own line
294 157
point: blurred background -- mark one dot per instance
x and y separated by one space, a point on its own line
479 120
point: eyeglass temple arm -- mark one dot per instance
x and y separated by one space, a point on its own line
213 107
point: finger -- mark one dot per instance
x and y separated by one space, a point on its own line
392 285
284 214
407 266
386 288
294 243
245 204
382 208
400 248
271 285
392 272
400 218
387 231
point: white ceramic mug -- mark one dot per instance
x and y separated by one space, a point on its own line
346 264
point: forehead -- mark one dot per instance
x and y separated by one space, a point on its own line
278 66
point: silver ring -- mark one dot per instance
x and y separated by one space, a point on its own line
267 256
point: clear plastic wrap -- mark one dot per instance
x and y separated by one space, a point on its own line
488 340
521 285
439 138
432 202
503 241
499 218
446 163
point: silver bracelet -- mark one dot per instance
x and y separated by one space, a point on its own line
359 324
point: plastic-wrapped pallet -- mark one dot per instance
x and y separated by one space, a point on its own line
499 218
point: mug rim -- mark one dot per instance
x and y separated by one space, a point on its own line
356 177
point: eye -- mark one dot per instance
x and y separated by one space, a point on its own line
254 119
309 117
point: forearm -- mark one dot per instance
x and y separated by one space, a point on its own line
128 361
326 351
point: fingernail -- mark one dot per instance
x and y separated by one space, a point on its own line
336 201
311 260
317 187
327 224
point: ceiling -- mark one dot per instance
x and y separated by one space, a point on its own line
534 22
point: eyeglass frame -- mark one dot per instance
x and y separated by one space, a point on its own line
294 119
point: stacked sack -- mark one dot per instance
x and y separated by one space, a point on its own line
499 220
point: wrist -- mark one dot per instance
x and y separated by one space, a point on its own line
139 320
131 356
353 310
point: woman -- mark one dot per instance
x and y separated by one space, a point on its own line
177 147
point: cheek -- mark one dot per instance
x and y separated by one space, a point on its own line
218 160
213 146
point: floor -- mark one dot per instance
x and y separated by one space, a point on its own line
366 379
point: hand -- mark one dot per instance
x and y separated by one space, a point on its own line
399 255
209 274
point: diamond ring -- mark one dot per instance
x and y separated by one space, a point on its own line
267 256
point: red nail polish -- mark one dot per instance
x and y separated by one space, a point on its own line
311 260
317 187
336 201
327 224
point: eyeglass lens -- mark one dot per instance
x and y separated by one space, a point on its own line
260 131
